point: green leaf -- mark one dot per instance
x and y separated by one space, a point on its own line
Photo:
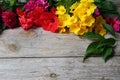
110 13
108 5
26 0
109 29
93 35
13 2
98 1
90 50
107 53
106 43
65 3
5 5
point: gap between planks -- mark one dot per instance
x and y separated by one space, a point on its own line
52 57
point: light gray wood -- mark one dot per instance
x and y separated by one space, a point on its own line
41 55
59 69
40 43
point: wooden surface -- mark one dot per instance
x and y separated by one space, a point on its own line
40 55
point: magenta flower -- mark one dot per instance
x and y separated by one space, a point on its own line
114 22
97 12
10 19
34 3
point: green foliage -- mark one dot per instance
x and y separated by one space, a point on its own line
109 29
107 53
66 3
91 49
106 42
9 5
100 48
107 5
93 35
27 0
13 2
107 8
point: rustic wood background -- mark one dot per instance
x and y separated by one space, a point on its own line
41 55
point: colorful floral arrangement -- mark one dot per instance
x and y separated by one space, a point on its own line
87 18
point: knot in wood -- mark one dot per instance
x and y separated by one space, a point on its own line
53 75
13 47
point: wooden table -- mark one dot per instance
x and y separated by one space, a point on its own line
40 55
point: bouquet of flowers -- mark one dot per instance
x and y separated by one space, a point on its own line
87 18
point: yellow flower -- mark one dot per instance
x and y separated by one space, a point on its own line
64 19
90 7
83 30
88 21
99 26
84 9
100 20
61 29
75 28
73 20
64 22
60 10
91 28
80 12
100 30
74 6
86 0
78 29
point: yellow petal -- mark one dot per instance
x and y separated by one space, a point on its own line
60 10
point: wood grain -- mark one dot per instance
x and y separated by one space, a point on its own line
59 69
41 55
40 43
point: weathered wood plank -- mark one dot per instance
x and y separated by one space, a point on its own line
37 43
40 43
59 69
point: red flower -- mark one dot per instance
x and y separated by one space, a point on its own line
53 10
20 12
35 15
25 21
10 19
38 17
49 21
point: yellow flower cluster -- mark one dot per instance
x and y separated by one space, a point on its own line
80 20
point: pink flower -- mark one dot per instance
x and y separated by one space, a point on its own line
10 19
97 12
114 22
34 3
